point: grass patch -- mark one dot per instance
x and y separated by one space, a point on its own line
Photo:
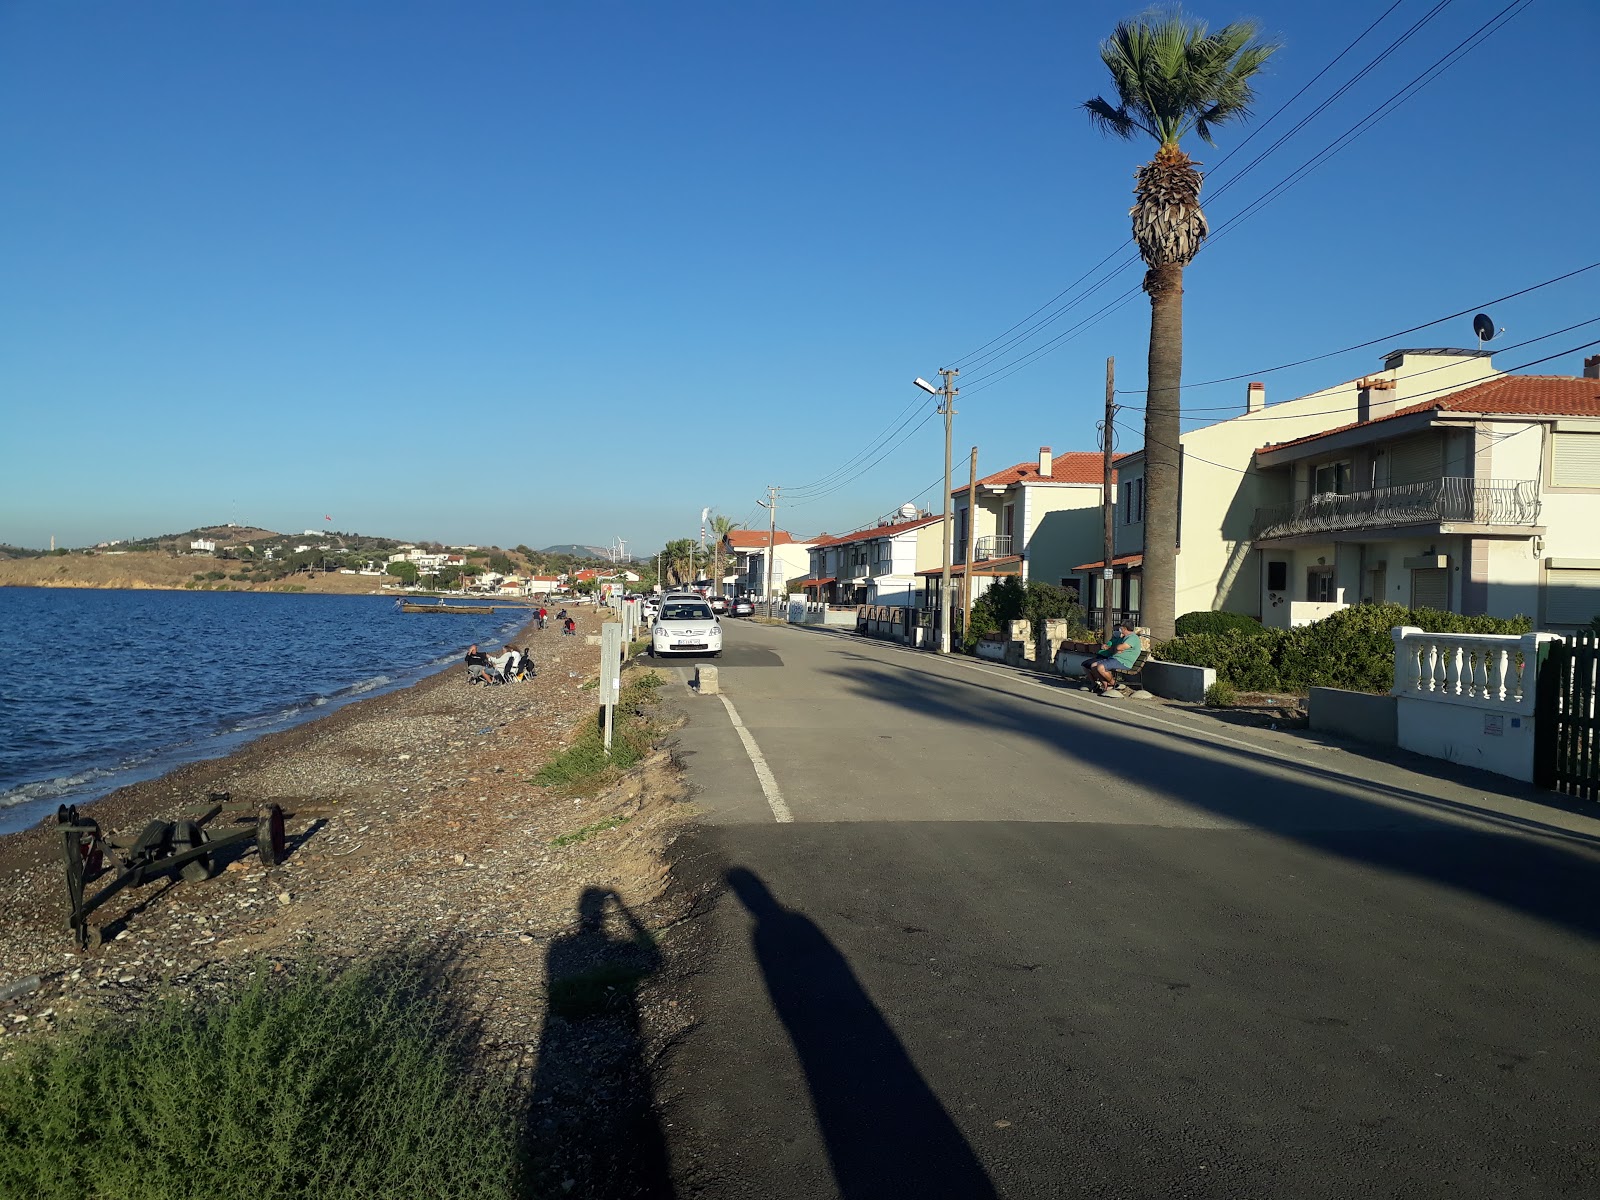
311 1084
585 761
588 831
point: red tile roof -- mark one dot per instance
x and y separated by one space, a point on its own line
1121 560
756 539
988 566
1509 395
866 535
1075 466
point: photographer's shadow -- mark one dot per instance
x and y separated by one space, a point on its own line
592 1127
885 1131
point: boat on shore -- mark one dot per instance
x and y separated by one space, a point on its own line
409 606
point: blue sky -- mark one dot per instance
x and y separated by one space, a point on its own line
541 272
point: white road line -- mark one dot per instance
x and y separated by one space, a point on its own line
769 784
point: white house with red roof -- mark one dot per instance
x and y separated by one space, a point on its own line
877 564
1035 520
747 553
1484 499
1435 482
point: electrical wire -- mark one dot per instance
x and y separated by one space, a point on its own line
908 413
851 479
1334 412
1377 340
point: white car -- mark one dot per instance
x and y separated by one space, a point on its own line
686 626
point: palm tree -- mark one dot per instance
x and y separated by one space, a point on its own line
722 527
675 558
1171 78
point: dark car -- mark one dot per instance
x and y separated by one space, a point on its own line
742 607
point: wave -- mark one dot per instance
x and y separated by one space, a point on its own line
51 789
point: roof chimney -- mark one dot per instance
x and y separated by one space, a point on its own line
1374 398
1591 367
1045 461
1255 397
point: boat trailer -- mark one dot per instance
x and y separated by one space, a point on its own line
185 848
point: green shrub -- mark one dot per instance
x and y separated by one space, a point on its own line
1221 695
586 761
308 1084
1008 600
1215 622
1353 648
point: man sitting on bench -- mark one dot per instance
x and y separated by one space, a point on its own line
1119 654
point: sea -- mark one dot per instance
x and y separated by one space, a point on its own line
102 688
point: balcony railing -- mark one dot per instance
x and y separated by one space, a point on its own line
1454 498
996 545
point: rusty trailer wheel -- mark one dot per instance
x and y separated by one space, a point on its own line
270 841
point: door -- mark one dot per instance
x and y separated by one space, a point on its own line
1430 588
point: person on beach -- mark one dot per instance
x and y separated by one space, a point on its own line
542 613
478 666
570 628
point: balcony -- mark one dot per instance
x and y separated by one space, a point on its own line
1438 501
996 545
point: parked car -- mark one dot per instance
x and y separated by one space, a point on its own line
743 608
686 626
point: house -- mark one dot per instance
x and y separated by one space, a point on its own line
1036 520
203 545
747 554
1403 485
1481 500
875 565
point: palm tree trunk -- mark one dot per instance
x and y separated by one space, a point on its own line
1162 455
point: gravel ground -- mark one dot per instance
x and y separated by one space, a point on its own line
411 816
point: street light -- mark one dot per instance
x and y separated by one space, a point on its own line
948 410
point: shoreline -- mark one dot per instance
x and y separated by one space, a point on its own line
405 813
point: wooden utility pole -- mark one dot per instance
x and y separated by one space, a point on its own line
771 505
948 409
972 525
1108 498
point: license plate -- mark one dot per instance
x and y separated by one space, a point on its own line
691 646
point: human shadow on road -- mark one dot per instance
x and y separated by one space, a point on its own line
886 1132
592 1130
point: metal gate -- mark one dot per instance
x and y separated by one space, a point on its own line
1566 745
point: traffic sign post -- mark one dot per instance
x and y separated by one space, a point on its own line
610 676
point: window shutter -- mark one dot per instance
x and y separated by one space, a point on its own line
1571 596
1575 460
1430 588
1416 460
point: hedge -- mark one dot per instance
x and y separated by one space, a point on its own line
1215 622
1352 649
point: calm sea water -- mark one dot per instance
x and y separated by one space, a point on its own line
103 688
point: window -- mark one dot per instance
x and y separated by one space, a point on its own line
1430 588
1319 585
1572 595
1133 501
1277 577
1575 460
1331 478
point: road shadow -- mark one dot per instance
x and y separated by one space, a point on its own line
1542 870
592 1130
885 1131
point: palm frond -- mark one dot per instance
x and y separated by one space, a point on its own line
1114 121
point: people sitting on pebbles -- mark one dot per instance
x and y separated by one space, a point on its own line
499 668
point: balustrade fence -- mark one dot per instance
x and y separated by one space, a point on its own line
1454 498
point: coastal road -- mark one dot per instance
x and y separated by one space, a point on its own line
1014 940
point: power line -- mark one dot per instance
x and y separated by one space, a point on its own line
1454 387
1395 100
832 476
851 479
1426 370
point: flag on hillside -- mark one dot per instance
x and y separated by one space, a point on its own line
326 517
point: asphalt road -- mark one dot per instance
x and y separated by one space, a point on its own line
1020 941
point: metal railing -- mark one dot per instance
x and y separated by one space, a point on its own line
1118 615
1453 498
995 545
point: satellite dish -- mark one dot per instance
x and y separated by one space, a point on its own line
1483 326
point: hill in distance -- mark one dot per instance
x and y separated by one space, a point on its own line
578 551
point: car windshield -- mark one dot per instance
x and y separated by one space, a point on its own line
685 610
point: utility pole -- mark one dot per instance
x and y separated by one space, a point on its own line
771 505
1108 497
972 525
948 409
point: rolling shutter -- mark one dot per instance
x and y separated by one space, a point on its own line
1575 460
1430 588
1417 460
1571 596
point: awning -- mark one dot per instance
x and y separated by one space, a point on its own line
1122 560
807 583
1006 565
